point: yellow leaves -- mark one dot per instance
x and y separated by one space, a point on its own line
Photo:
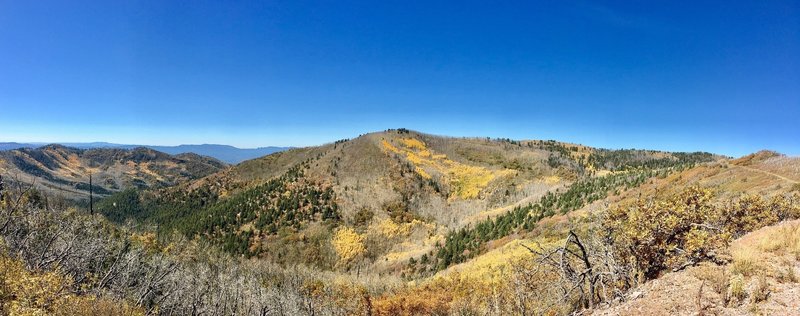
24 292
422 173
552 179
670 232
348 244
148 241
688 227
30 293
494 266
391 229
750 212
313 288
415 159
467 181
388 146
413 143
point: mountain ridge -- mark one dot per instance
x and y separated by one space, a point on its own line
396 180
227 153
65 170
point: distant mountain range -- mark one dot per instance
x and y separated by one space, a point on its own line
65 170
226 153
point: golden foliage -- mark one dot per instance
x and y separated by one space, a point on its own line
413 143
147 241
390 229
388 146
495 266
663 234
348 244
425 300
422 173
749 213
467 181
23 292
688 228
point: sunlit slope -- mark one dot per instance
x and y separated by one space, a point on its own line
763 173
65 170
389 197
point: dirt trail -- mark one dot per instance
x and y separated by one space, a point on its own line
769 173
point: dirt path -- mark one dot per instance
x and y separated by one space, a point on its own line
769 173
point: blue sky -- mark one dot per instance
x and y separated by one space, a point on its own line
721 77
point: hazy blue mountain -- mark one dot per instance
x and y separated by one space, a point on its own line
226 153
12 145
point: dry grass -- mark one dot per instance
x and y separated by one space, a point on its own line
761 290
782 240
718 278
772 251
746 262
737 288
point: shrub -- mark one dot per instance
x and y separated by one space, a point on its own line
24 292
747 214
688 228
673 233
362 217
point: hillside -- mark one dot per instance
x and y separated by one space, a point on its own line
761 279
398 194
65 171
402 222
751 274
225 153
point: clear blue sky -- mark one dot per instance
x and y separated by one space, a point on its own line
722 77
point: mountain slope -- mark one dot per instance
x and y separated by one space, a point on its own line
443 225
226 153
66 170
393 195
734 184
